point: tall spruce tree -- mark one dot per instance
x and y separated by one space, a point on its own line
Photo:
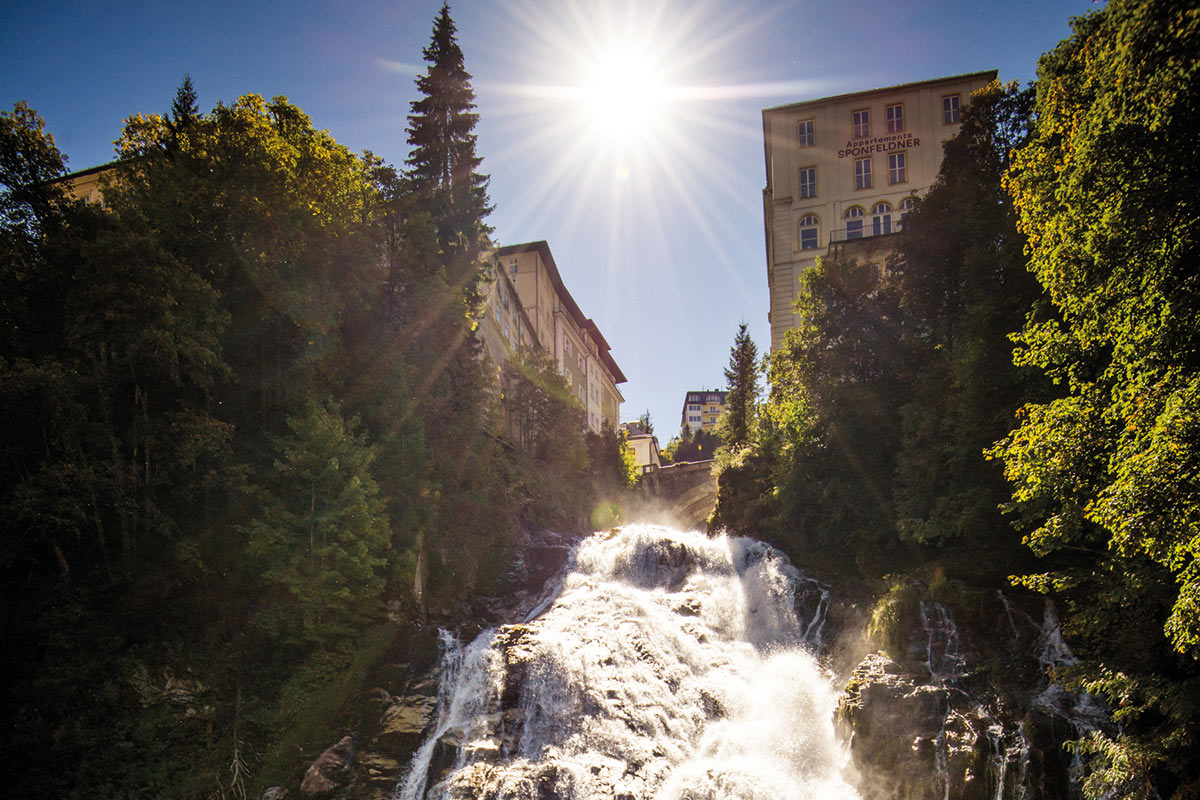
742 379
443 166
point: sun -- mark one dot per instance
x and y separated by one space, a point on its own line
623 96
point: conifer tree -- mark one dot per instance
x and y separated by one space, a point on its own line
742 378
184 108
443 166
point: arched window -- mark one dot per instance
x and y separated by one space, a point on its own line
881 219
854 222
810 232
906 206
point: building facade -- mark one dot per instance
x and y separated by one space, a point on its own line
843 171
702 410
551 319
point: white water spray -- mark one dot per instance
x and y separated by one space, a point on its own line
670 666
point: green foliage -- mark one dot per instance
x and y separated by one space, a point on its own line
895 614
741 403
1105 472
322 533
612 463
700 445
243 407
550 421
963 286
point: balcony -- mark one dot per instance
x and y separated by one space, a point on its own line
865 232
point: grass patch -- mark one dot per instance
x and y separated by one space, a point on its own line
317 704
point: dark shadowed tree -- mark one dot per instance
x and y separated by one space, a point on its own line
443 165
184 108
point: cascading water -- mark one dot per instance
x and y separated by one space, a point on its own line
968 722
670 665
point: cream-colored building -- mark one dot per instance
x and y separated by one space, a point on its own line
86 184
556 324
843 171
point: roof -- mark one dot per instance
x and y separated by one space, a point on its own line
90 170
723 392
584 323
989 74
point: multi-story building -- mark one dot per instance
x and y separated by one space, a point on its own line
553 321
842 173
702 410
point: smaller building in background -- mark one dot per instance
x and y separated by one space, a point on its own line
702 410
645 448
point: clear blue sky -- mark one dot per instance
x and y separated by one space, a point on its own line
648 192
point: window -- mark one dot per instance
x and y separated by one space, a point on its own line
693 408
806 137
854 222
895 118
712 409
808 182
862 124
862 173
950 109
881 219
809 232
512 266
906 205
897 168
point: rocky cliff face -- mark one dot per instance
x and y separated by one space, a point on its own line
401 694
964 708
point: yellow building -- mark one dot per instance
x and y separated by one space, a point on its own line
87 184
843 171
556 324
702 410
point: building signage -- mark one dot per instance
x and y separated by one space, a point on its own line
880 144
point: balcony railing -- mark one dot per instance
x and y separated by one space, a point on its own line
867 231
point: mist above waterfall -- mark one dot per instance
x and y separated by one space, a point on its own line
669 665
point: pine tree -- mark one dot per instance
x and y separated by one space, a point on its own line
184 108
443 164
742 378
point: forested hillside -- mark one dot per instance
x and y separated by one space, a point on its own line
246 420
905 436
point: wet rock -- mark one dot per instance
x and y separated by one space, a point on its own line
329 770
406 716
445 755
896 727
274 793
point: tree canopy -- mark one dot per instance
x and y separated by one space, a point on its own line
1105 473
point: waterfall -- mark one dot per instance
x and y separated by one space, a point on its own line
669 665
